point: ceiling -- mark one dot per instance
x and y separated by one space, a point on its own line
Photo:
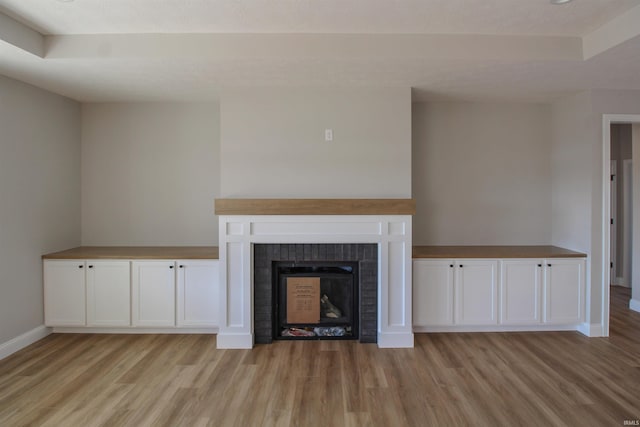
186 50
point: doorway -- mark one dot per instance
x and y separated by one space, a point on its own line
621 214
624 228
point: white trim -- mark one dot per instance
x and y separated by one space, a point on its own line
22 341
133 330
627 220
238 234
590 329
607 120
234 341
619 281
613 228
395 340
634 305
494 328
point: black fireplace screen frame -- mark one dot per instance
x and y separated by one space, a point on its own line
339 280
365 254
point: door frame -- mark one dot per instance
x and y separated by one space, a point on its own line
613 228
607 121
627 218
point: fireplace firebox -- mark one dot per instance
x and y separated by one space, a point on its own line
335 265
315 300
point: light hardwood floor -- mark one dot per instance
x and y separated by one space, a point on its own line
495 379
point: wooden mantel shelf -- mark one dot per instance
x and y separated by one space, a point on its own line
315 206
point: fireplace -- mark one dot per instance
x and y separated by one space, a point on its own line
374 233
315 300
275 263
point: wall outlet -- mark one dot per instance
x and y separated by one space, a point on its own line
328 134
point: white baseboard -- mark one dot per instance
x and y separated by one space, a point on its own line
591 329
22 341
131 330
395 340
634 305
494 328
234 341
619 281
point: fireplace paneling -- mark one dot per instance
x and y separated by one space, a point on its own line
390 234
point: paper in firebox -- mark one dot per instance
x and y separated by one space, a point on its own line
303 299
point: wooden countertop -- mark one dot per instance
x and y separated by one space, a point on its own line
494 252
315 207
211 252
136 252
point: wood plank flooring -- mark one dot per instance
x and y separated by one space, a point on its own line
482 379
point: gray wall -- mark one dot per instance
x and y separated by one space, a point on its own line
150 173
481 173
578 179
571 157
39 196
272 143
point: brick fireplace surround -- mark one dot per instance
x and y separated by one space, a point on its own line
244 223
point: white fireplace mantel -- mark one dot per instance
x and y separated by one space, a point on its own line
392 234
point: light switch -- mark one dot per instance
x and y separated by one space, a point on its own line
328 134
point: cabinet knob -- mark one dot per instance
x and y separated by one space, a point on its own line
548 265
539 265
461 265
80 266
451 265
91 266
181 266
171 266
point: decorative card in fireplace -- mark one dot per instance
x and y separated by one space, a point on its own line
316 300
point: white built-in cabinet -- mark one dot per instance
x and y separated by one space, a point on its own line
108 293
454 292
198 296
64 293
87 293
433 292
497 293
476 292
175 293
564 292
520 291
153 293
131 293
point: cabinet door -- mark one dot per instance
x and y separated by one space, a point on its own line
64 293
153 295
198 293
564 291
476 287
108 293
520 287
433 292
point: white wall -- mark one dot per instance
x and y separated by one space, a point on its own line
272 143
39 196
481 173
150 173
